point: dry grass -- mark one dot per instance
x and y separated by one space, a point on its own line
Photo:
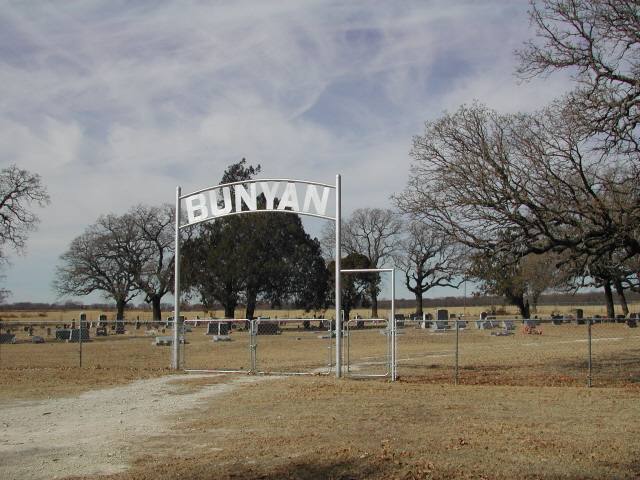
557 357
420 427
321 428
67 316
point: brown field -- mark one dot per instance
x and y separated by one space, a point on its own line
559 356
521 409
470 312
323 428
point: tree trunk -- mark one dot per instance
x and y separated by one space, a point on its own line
230 301
418 305
229 310
251 303
523 306
120 304
374 303
155 307
608 294
623 299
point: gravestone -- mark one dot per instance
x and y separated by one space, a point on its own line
63 334
7 338
218 328
101 331
442 314
37 339
268 328
440 326
481 324
74 335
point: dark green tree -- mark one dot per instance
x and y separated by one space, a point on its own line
255 257
355 287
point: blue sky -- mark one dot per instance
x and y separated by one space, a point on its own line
116 103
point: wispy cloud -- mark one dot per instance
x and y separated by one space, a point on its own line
115 103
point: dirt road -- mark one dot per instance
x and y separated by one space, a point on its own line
95 431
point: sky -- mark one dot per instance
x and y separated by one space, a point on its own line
115 103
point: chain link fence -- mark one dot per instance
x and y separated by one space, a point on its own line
554 352
490 351
367 347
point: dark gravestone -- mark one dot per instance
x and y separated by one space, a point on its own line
442 314
63 334
268 328
7 338
218 328
74 335
119 328
37 339
101 331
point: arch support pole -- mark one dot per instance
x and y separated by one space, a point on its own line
175 352
338 282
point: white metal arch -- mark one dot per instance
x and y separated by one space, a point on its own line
175 359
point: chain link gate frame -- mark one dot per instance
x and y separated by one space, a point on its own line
267 327
391 326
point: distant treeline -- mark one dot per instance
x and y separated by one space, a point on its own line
586 298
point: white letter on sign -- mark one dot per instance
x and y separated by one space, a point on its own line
226 202
200 207
269 193
312 196
249 197
289 198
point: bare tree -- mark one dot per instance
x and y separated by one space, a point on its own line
598 41
524 183
521 280
108 257
428 259
372 232
156 228
20 190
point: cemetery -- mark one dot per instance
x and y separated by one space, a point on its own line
464 399
439 347
463 304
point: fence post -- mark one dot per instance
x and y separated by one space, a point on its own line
80 341
589 343
457 343
183 331
252 344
